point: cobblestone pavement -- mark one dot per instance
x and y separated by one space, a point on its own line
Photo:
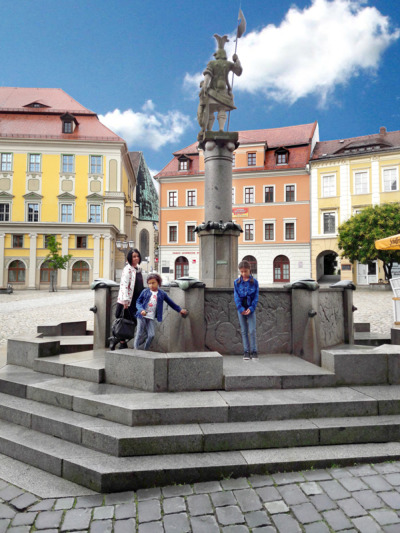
363 498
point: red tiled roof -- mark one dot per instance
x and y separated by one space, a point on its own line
385 140
288 137
18 121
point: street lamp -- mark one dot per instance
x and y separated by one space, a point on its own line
125 246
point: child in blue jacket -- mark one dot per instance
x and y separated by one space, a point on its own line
246 299
149 307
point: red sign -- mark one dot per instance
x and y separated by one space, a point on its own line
240 212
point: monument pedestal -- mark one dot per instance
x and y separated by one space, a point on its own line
219 256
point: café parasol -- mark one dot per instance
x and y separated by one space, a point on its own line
389 243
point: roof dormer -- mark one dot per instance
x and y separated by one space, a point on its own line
37 105
282 156
69 123
184 163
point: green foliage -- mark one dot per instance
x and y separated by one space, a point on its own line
358 234
53 258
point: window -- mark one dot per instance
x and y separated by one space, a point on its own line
181 267
80 272
251 159
183 164
81 241
290 231
361 183
68 163
173 234
281 269
290 193
269 231
249 232
328 186
191 198
190 234
18 241
95 164
329 223
390 180
269 194
95 213
45 270
6 162
34 163
16 272
66 212
281 158
67 126
4 212
172 198
249 195
33 212
46 240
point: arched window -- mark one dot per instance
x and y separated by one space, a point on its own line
80 272
253 264
281 269
181 267
144 240
16 272
45 270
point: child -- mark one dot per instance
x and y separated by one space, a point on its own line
149 306
246 299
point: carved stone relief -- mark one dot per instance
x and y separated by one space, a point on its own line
67 185
331 318
33 185
5 184
95 186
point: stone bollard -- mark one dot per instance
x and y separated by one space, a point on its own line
101 310
305 321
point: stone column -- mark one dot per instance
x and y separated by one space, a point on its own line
96 256
3 277
63 274
218 236
107 257
32 261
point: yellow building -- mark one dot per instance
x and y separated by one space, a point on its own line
62 173
348 175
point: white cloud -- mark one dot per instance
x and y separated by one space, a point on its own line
147 128
312 51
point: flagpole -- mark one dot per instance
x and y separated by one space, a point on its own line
233 74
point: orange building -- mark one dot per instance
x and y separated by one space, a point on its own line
270 197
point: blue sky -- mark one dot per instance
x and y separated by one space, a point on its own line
138 63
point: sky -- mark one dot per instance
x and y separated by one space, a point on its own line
138 64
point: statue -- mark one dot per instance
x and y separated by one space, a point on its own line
215 90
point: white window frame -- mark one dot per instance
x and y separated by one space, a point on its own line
169 224
187 224
72 204
101 164
323 177
244 194
273 189
329 212
6 163
360 171
396 170
177 198
32 202
82 247
101 212
295 191
289 221
9 210
187 197
62 164
29 162
269 221
183 162
253 222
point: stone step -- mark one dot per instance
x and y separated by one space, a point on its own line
123 441
87 365
104 473
139 408
372 339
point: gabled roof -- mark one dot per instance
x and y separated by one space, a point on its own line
51 100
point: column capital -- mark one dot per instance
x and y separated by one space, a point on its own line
33 235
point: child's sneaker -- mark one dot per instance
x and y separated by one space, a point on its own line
254 357
246 356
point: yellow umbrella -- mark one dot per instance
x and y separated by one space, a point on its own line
389 243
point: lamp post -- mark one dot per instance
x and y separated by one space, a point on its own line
125 246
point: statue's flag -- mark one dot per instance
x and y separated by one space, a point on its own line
242 25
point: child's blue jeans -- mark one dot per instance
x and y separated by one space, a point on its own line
248 329
144 333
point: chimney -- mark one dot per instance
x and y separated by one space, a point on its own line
382 130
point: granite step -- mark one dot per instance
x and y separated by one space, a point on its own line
123 441
138 408
88 365
104 473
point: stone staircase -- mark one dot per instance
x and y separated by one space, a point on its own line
58 414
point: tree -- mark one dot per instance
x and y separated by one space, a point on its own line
358 234
55 260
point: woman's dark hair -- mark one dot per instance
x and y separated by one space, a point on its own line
130 253
157 277
245 264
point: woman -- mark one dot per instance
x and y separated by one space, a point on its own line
129 290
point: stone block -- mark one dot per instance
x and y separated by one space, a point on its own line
187 334
395 334
194 371
23 351
362 327
63 328
137 369
393 361
352 368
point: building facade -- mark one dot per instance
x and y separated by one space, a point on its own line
270 197
62 173
348 175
